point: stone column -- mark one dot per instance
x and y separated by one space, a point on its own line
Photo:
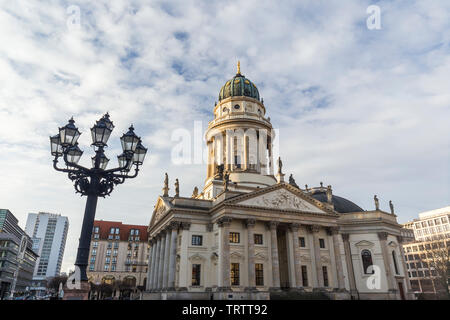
224 254
156 262
246 152
270 156
405 269
149 266
337 257
314 229
250 223
161 259
297 263
274 250
382 236
349 262
173 256
228 153
166 258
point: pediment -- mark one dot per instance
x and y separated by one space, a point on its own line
282 199
305 257
236 255
364 243
260 256
161 208
196 257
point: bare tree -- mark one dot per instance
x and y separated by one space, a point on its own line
438 259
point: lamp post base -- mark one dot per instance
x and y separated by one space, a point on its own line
78 294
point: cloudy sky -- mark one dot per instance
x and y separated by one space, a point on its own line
364 110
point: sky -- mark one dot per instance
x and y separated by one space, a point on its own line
363 109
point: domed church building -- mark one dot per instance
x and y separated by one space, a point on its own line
250 234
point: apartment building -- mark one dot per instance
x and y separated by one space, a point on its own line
118 252
432 242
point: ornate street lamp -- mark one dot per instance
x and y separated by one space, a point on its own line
96 181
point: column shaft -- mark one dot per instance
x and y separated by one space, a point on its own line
156 263
349 262
338 258
173 258
405 269
149 267
316 248
161 260
224 254
296 249
251 253
166 260
274 251
387 265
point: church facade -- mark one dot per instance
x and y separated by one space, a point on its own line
249 234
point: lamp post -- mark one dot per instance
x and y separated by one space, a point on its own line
96 181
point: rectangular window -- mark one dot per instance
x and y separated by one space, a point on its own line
96 230
91 267
106 267
235 274
258 238
325 276
117 230
259 274
196 274
112 230
234 237
197 240
322 243
302 242
305 276
113 267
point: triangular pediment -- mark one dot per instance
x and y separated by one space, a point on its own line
281 197
364 243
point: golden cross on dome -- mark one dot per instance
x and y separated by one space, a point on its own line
239 67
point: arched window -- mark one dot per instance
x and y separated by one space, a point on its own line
366 260
394 258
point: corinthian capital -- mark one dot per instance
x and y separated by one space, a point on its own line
332 230
249 223
313 228
224 222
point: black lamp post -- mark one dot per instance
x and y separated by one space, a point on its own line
96 181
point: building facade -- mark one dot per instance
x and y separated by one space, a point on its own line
118 252
48 232
17 258
250 235
432 237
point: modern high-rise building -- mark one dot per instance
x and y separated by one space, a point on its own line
49 233
432 244
17 258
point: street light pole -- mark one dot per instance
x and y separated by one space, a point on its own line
97 181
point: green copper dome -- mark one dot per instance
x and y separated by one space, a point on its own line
239 86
